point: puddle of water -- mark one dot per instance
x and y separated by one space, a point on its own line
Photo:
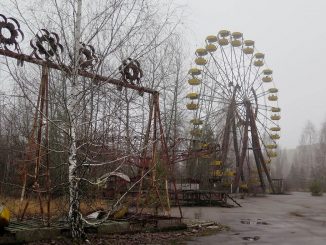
261 222
246 222
249 238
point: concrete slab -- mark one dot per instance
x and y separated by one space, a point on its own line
114 227
275 219
20 232
31 235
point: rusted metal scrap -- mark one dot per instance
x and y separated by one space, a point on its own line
10 33
46 45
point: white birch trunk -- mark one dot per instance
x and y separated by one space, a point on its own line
75 221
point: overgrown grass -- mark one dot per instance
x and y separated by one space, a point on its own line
58 207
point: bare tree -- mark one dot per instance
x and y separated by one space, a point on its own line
93 126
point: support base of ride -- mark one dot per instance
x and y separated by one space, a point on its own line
32 231
205 198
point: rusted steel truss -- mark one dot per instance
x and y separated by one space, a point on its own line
241 151
46 51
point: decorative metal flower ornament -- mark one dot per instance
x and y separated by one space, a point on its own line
131 71
46 45
10 33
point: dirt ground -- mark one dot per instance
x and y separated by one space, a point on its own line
298 219
168 237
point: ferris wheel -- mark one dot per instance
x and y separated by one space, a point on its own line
233 99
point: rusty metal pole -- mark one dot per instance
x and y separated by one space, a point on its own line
239 171
145 148
169 164
43 100
227 128
256 148
47 157
98 79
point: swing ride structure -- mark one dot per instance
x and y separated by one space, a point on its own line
234 101
130 155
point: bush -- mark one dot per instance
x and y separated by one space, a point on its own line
316 188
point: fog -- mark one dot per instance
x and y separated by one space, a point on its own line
292 35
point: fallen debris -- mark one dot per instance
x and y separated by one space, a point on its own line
203 228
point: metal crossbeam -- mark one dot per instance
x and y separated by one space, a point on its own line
69 70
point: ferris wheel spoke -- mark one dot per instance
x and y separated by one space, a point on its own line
259 85
215 117
262 140
200 103
266 131
221 93
223 87
229 64
256 73
216 97
210 104
225 67
248 72
251 83
243 69
263 94
218 112
263 146
264 107
210 111
213 102
209 99
268 119
255 99
220 70
238 64
241 114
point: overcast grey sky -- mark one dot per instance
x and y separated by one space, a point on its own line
292 34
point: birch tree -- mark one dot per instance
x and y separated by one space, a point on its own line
84 114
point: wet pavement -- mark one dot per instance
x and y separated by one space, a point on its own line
274 219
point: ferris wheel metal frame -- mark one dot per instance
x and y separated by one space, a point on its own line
230 88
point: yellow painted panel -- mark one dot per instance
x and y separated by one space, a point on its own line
223 41
194 81
201 51
248 50
194 71
192 106
224 33
200 61
211 39
249 43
